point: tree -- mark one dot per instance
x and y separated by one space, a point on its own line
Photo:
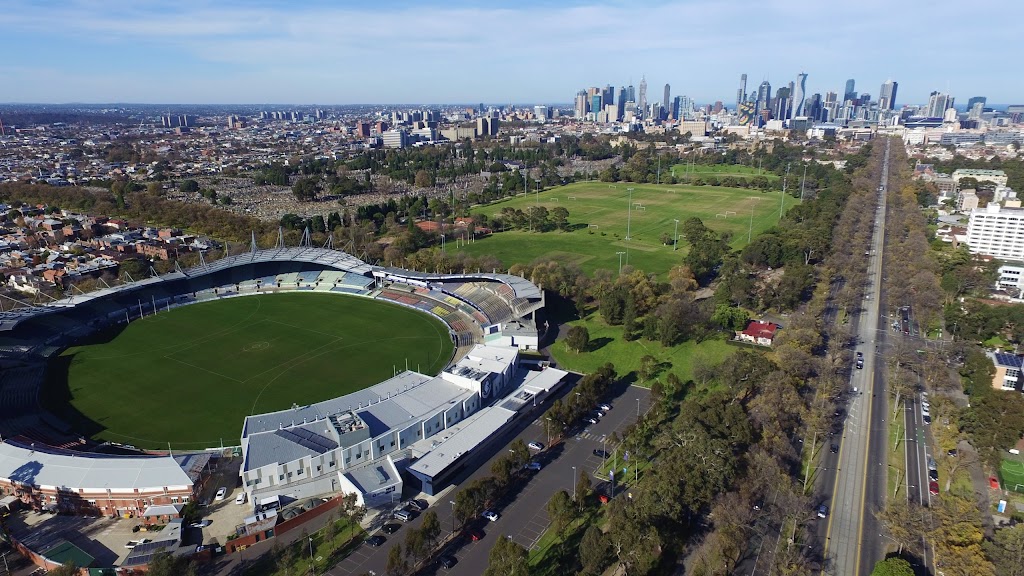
189 186
64 570
507 558
560 510
502 470
415 544
595 552
648 367
423 179
583 489
397 564
577 338
165 564
306 189
431 529
1006 550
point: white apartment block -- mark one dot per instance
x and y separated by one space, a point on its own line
997 231
997 177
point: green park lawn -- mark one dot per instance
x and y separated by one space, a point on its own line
721 170
189 376
607 345
598 213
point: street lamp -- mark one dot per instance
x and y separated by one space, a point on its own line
620 262
573 483
311 569
548 428
629 211
637 408
452 502
675 236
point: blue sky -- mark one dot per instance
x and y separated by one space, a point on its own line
529 51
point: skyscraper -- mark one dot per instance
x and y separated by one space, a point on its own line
741 94
620 104
643 95
887 95
975 100
764 97
581 104
665 98
938 103
850 93
596 104
630 93
798 94
608 95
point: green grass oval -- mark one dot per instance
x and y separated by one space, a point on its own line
189 376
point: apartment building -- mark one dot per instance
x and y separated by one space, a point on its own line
997 231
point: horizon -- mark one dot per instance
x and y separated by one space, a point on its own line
188 51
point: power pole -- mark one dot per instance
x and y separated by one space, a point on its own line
785 181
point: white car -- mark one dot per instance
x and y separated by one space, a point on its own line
490 515
134 543
240 499
200 524
605 407
222 492
535 446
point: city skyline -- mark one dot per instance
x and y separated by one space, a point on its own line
189 52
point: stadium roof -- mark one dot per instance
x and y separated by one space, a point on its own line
523 288
89 472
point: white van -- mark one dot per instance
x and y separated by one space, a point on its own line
402 515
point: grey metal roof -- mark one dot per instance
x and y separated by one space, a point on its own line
373 476
522 287
282 446
88 471
460 439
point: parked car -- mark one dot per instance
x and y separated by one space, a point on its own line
823 511
535 466
134 543
200 524
221 493
446 562
933 475
833 448
589 420
601 453
390 528
605 407
927 419
417 505
240 499
933 488
952 453
490 515
403 515
376 541
932 465
535 446
476 535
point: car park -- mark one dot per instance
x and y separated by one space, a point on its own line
535 446
933 488
490 515
221 493
823 511
376 540
390 528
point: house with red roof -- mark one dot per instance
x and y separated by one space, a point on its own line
757 332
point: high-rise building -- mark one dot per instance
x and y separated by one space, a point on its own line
677 112
781 103
620 104
630 93
642 102
799 90
887 95
540 113
812 108
608 95
665 98
830 109
741 94
580 108
850 93
764 96
976 100
938 103
596 104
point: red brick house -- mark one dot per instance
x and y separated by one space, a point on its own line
757 332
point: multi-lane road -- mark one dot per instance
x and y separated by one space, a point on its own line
522 516
852 541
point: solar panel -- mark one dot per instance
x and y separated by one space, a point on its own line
1009 360
308 439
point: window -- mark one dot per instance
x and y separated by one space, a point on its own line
174 499
300 471
319 468
281 478
289 475
392 443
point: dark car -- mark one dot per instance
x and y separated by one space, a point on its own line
933 488
823 511
952 453
446 562
600 453
376 541
933 475
927 419
476 535
390 528
833 448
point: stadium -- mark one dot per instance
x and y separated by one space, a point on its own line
409 427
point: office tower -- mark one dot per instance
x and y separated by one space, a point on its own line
975 100
741 94
718 107
611 113
887 95
643 95
764 96
665 97
595 104
798 94
655 111
483 127
540 113
580 109
830 109
620 104
677 112
850 93
608 95
630 94
781 103
938 103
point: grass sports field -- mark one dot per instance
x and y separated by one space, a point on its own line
720 170
1011 472
598 209
189 376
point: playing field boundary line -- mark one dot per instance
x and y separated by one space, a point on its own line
207 370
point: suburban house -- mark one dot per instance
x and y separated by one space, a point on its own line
757 332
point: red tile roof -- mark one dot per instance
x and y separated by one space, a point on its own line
758 329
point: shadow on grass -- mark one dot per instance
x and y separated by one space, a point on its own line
563 555
598 343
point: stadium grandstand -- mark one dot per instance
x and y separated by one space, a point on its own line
392 412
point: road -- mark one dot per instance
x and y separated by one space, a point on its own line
522 517
851 541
